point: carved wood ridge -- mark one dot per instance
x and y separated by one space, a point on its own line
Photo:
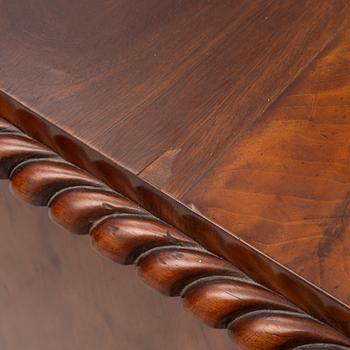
168 260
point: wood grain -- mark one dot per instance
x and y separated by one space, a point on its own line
284 188
167 260
150 96
138 81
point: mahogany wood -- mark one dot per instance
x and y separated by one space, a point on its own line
169 261
143 83
284 187
226 119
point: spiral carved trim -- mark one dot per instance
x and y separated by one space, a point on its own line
168 260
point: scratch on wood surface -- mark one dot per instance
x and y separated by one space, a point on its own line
160 170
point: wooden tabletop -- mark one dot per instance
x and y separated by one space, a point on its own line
227 119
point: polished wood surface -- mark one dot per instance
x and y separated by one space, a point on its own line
169 261
227 119
146 82
284 187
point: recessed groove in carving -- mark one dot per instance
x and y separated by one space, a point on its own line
37 181
218 301
274 329
78 208
320 347
170 270
7 127
168 260
14 150
124 239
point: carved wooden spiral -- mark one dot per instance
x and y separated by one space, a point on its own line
168 260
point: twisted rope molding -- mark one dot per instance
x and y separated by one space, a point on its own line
167 260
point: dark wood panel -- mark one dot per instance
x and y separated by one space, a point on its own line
56 293
284 187
141 81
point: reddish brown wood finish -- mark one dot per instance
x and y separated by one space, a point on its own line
150 96
38 181
154 75
284 187
71 210
169 261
